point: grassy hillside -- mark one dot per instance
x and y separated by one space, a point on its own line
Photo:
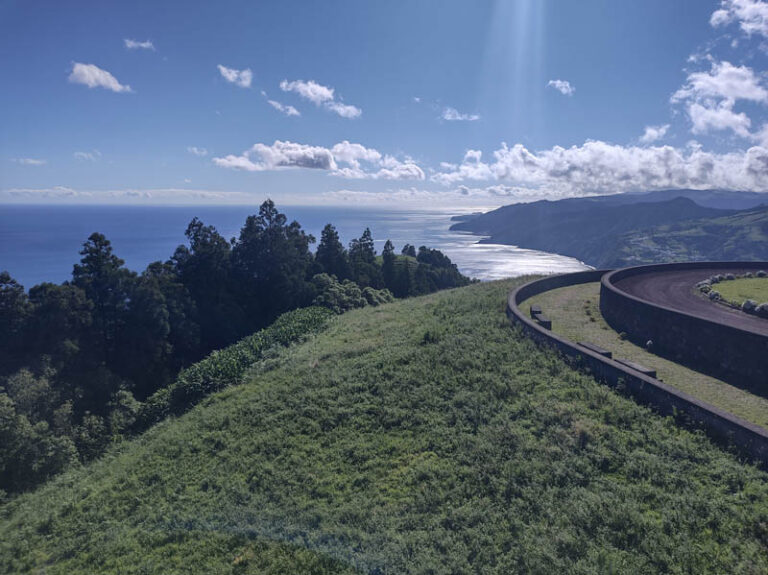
424 436
740 236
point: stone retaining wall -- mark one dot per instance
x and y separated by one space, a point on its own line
749 439
738 356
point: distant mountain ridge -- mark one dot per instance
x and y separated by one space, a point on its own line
623 229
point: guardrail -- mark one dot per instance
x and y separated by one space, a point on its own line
749 439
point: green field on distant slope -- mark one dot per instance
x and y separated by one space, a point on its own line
423 436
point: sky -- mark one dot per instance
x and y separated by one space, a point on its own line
450 104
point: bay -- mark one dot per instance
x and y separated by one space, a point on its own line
41 243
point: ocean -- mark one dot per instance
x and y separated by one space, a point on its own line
41 243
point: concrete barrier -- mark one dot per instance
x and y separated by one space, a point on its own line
749 439
736 355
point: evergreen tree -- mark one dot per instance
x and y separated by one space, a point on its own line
388 265
14 313
331 254
409 250
272 261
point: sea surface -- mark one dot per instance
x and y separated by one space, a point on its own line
41 243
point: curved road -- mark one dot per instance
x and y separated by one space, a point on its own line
676 290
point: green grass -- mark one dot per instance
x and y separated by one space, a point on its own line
424 436
741 289
575 314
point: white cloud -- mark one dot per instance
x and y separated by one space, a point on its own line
312 91
122 196
322 96
562 86
453 115
708 117
710 97
136 45
284 108
240 78
195 151
724 80
751 15
29 161
87 156
358 161
94 77
653 133
600 167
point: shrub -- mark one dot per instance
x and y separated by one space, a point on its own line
761 274
705 289
715 295
226 367
730 277
376 297
762 310
749 306
749 275
714 280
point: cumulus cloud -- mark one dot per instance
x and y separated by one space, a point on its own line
723 80
240 78
453 115
285 109
29 161
562 86
345 159
321 96
87 156
709 97
94 77
751 16
136 45
653 133
600 167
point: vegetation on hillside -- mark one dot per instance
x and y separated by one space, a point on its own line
629 229
78 359
423 436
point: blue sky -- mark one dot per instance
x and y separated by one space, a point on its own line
440 104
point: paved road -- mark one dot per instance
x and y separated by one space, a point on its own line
675 289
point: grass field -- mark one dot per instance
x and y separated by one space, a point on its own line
741 289
575 314
423 436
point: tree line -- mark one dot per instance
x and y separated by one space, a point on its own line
78 358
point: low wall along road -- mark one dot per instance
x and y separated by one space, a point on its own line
749 439
658 303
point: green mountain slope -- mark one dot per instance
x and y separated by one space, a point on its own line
740 236
424 436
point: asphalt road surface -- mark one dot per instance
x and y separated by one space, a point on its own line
676 290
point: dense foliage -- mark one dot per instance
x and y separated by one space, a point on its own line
78 359
427 436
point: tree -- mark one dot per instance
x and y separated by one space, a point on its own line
409 250
14 313
362 259
205 270
331 254
60 319
106 283
271 259
388 259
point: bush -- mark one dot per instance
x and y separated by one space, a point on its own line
226 367
715 295
762 310
376 297
749 275
705 288
730 277
761 274
749 306
714 280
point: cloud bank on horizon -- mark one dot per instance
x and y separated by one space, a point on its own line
714 133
